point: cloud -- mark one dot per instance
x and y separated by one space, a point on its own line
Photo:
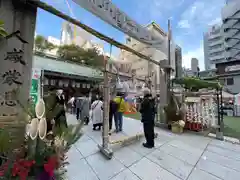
157 9
194 21
218 20
201 13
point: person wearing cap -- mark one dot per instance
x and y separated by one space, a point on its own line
148 111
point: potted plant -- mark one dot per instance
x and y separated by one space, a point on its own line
40 156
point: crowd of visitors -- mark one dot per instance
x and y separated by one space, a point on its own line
91 109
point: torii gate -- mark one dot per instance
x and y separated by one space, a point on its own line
20 19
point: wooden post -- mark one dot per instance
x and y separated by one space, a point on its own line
168 73
104 148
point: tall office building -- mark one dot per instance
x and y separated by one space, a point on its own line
194 66
213 47
231 29
74 35
67 33
178 61
230 67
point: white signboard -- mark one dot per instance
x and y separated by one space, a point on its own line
109 13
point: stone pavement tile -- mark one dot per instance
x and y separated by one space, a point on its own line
183 155
80 171
125 175
96 136
87 148
198 174
226 145
160 140
218 170
117 136
222 160
166 135
104 168
127 156
224 152
148 170
187 147
84 137
177 167
74 155
137 147
194 140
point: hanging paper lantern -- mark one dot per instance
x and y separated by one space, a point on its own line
78 85
60 83
46 81
73 83
52 82
66 83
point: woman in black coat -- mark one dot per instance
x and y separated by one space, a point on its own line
148 111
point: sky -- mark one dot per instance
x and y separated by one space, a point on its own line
189 18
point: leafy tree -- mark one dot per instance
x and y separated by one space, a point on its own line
3 32
75 53
42 44
93 58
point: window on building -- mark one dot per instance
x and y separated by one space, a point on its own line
216 53
215 39
230 81
215 46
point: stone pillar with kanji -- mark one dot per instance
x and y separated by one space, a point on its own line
16 55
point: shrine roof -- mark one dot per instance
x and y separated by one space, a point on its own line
54 65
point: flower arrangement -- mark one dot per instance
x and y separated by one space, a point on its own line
42 156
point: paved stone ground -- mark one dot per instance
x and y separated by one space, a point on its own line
175 157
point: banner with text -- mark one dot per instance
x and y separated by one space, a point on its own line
109 13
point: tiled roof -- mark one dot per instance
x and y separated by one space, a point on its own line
53 65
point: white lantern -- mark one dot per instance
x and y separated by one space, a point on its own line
60 83
78 85
52 82
73 83
88 86
66 83
84 85
46 81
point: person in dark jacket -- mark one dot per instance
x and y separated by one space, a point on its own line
148 111
112 113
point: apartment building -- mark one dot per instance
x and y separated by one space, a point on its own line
178 62
230 68
142 68
213 47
